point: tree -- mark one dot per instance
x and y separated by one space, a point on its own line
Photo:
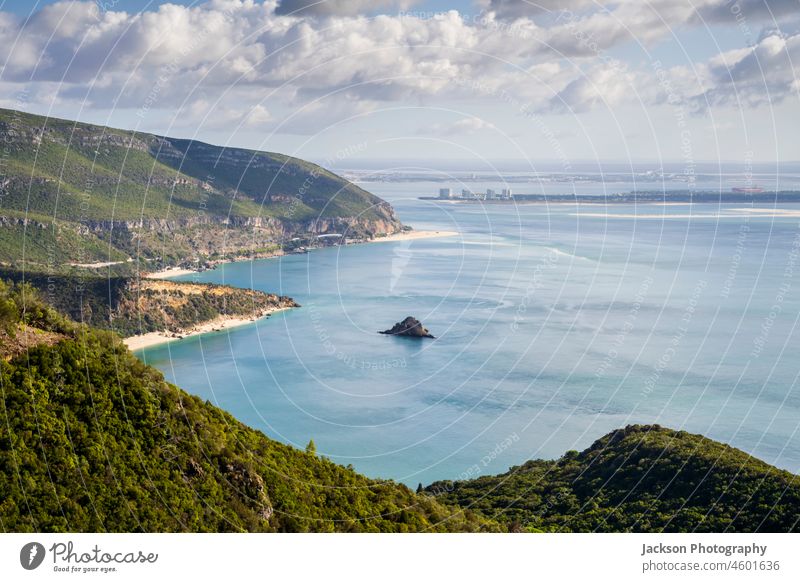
9 315
311 448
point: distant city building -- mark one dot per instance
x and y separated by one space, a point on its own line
466 194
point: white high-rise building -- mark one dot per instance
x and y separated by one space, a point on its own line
507 194
445 193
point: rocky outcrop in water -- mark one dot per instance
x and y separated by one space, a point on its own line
409 327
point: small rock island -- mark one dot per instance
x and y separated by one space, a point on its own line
409 327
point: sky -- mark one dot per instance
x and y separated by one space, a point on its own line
683 81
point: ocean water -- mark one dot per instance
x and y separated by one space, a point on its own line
553 326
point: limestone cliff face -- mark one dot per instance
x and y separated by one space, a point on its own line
277 226
168 200
185 240
145 305
350 226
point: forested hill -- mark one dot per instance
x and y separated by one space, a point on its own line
642 479
134 305
89 193
94 440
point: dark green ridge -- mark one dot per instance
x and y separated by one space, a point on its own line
92 439
641 479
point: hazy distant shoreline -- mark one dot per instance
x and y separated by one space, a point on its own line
639 197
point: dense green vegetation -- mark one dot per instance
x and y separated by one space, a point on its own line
79 171
83 298
147 306
130 306
45 242
640 478
166 199
26 321
91 439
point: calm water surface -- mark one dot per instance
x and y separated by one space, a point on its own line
553 327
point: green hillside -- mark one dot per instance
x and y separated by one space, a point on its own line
141 194
40 240
640 478
131 306
91 439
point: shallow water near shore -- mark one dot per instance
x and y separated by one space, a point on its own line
552 328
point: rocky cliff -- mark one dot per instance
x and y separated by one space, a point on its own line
122 194
132 306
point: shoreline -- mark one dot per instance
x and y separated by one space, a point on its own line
169 273
140 342
223 322
412 235
735 213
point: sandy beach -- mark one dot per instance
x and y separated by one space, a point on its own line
756 213
643 215
770 212
139 342
168 273
413 235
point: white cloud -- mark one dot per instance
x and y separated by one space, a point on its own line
756 10
338 7
257 116
316 116
764 74
512 9
238 62
572 23
465 126
211 115
177 51
603 86
673 11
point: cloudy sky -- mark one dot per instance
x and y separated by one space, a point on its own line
551 80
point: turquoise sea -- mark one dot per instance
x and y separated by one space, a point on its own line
553 327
